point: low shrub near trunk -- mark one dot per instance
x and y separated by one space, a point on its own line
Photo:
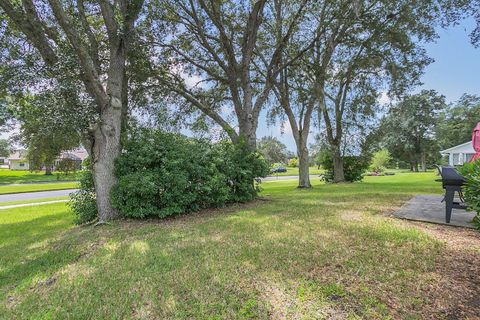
82 202
471 191
163 174
353 166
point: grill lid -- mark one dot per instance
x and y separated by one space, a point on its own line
451 177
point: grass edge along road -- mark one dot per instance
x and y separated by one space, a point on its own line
319 253
36 187
41 200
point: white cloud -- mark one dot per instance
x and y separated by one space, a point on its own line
384 98
190 80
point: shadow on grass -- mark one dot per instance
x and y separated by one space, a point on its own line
35 249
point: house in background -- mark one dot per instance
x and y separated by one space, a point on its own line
460 154
76 156
18 160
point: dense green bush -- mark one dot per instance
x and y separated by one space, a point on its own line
471 171
354 167
163 174
83 202
240 167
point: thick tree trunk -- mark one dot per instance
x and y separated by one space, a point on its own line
108 135
248 132
338 170
303 166
48 170
107 147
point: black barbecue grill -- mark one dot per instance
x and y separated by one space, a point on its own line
452 182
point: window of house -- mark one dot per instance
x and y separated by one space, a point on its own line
456 158
21 164
469 156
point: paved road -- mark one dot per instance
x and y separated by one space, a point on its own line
35 195
60 193
279 178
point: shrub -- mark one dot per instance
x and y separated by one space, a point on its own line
67 166
471 191
380 160
240 167
293 163
163 174
83 202
353 167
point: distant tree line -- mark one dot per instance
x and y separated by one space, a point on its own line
416 128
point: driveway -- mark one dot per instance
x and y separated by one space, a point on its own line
35 195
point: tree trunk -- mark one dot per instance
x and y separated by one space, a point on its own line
106 149
415 165
48 170
108 135
424 162
338 171
303 165
248 132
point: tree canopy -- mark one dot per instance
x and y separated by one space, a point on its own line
408 130
272 150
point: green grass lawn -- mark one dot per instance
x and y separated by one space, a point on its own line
33 187
294 172
297 254
20 176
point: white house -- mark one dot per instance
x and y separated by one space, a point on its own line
18 160
460 154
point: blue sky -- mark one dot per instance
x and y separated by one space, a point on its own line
456 70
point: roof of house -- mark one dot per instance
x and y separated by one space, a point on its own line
462 148
18 155
76 154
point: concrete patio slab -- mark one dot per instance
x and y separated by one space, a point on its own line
429 208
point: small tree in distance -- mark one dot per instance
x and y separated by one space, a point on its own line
293 163
380 160
272 150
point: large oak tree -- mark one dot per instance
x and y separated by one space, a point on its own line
87 43
219 57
